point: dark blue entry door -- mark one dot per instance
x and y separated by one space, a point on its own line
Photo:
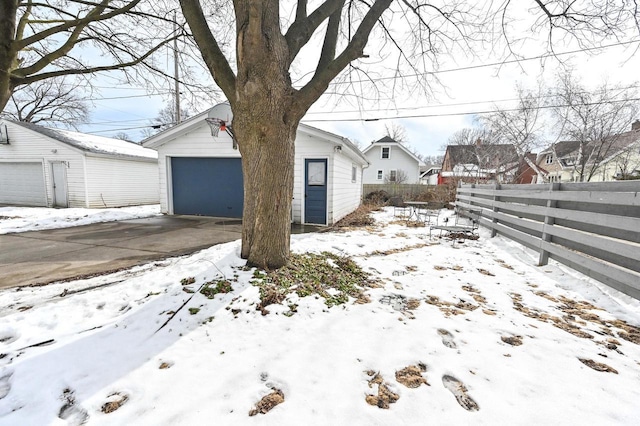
207 186
315 191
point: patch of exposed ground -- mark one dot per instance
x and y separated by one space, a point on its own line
411 376
267 402
598 366
504 264
485 272
579 314
450 308
359 218
211 288
512 340
117 400
444 268
475 293
385 396
397 250
332 277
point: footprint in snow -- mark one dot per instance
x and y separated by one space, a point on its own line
447 338
8 334
270 400
5 383
70 411
459 390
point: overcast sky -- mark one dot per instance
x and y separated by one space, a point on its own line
469 85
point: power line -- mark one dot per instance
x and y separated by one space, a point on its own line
446 105
148 95
470 67
454 114
466 68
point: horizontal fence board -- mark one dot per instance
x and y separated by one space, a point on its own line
620 279
595 245
518 236
598 220
531 225
593 228
593 197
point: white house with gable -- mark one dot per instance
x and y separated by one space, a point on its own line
47 167
391 162
201 173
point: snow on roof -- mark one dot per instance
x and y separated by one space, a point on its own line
93 143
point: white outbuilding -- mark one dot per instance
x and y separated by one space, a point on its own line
47 167
201 174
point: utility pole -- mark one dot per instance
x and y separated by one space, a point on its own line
175 69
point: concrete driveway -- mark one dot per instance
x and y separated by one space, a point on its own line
41 257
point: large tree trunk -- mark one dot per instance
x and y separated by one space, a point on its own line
8 9
267 148
265 120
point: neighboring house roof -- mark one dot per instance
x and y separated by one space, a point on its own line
430 170
388 141
562 148
468 154
178 130
615 144
92 143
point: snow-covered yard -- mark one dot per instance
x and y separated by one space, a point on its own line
480 335
22 219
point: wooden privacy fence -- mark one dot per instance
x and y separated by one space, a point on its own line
411 191
593 228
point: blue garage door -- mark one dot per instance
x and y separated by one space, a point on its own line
207 186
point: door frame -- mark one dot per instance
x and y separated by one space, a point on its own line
304 189
54 199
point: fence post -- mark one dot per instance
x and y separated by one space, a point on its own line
494 220
548 221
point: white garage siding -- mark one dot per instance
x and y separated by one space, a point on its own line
192 138
121 182
22 184
196 143
347 194
28 146
308 147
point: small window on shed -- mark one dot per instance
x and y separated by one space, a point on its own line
386 152
380 175
354 173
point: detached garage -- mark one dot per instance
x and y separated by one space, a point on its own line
201 174
45 167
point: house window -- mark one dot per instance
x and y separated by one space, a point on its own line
386 152
549 159
380 175
354 173
393 175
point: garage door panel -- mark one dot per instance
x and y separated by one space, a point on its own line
22 184
207 186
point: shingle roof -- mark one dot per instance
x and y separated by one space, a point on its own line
93 143
468 154
387 140
612 145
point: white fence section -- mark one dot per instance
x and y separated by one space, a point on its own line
593 228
